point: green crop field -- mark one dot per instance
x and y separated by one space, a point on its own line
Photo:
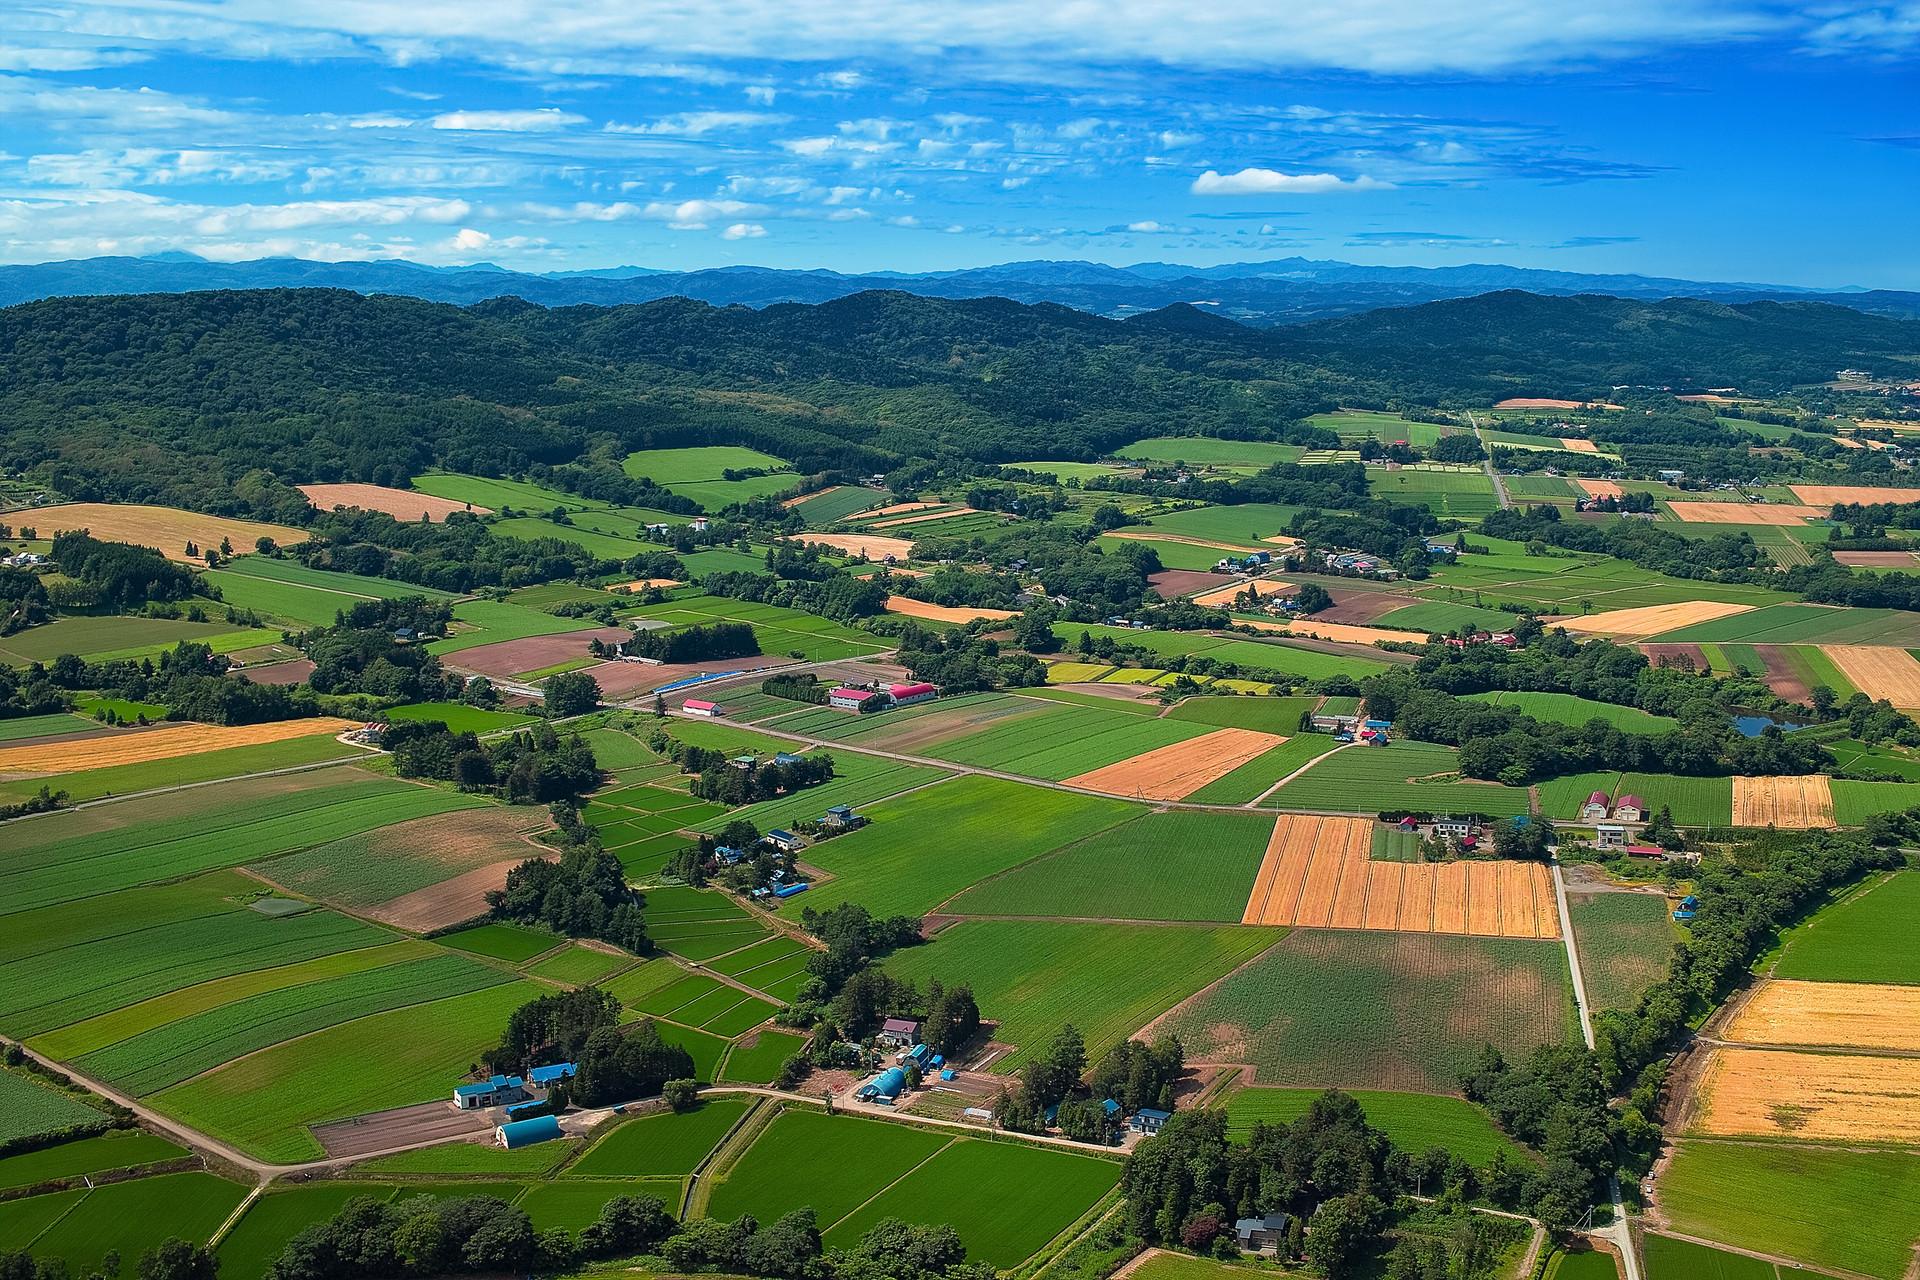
1445 493
1441 616
128 1218
1056 742
295 602
1196 451
699 925
1580 1264
1074 470
29 1108
858 780
1855 802
262 1233
112 635
1004 1199
1109 980
1253 778
1406 775
780 630
667 1144
578 966
468 1159
516 944
22 1221
1668 1258
831 1164
1245 525
1857 1210
827 508
22 728
1571 709
167 1055
1625 942
760 1062
1381 1010
1415 1121
1847 942
490 621
1268 715
206 766
1264 656
117 1149
1181 865
459 717
1185 1266
574 1205
702 462
1805 624
919 850
269 569
1537 487
263 1102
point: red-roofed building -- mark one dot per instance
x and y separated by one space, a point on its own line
1596 806
701 707
1629 809
908 694
850 699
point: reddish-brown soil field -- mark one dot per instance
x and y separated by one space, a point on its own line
1780 675
1360 607
624 679
292 672
451 902
1674 653
534 653
1169 583
1877 559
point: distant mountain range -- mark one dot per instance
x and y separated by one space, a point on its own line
1279 292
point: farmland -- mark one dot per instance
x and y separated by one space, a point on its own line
1625 940
29 1107
1570 709
662 1144
1378 1010
1269 656
1847 942
165 529
1041 974
128 1218
1415 1121
1406 775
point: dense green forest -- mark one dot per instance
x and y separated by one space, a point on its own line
220 400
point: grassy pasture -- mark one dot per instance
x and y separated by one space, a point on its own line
700 462
1805 624
574 1205
261 1235
1370 779
1695 802
1625 941
1857 1210
490 621
1179 865
1571 709
919 850
846 500
269 569
780 630
1245 525
1381 1010
1442 616
1455 494
1848 942
459 717
1109 980
372 867
760 1062
578 966
129 1218
116 1149
263 1103
665 1144
1855 802
1415 1121
858 780
1197 451
29 1108
697 924
1057 741
118 635
1269 715
516 944
832 1164
295 602
23 728
1266 656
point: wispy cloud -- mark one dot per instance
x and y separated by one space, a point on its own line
538 120
1267 182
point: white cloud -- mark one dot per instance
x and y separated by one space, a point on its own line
538 120
697 215
1147 227
744 231
467 240
1266 182
693 124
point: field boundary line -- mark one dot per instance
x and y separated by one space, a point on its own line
1255 802
1778 1260
233 1219
341 763
915 1168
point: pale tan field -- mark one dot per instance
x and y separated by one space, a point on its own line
873 545
1649 620
138 747
641 584
912 608
1600 488
401 504
1879 671
903 508
1837 1097
1827 495
1576 444
1846 442
1176 771
1141 535
923 518
1317 873
1266 589
1767 513
1876 559
1798 802
165 529
1845 1015
1345 633
1538 402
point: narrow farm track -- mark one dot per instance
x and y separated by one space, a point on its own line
1499 486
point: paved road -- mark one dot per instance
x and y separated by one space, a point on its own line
1499 485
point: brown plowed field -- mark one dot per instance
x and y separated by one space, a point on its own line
916 734
1318 873
874 545
1798 802
1674 652
401 504
1649 620
1574 444
1836 1097
901 509
534 653
1171 583
1538 402
165 529
924 517
1180 769
624 679
138 747
1357 608
1265 589
1770 513
1878 671
1877 559
451 902
1846 1015
1780 674
912 608
1600 488
1827 495
1142 535
292 671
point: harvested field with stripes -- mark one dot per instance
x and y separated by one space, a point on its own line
165 529
1265 589
1768 513
1576 444
909 607
1827 495
1840 1015
1139 535
1179 769
1600 488
1809 1096
1341 632
1648 620
874 546
73 756
402 504
1318 873
1797 802
924 517
1878 671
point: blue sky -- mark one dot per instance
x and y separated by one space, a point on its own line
1710 139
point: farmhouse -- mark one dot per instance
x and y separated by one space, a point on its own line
1333 723
841 817
1596 806
1148 1120
524 1133
905 695
850 699
1610 835
1262 1235
784 840
898 1033
1453 828
548 1076
701 707
495 1092
1629 808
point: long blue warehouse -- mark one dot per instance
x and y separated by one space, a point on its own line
524 1133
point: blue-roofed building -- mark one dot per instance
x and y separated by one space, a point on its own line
728 854
788 890
1149 1120
495 1092
841 817
784 840
1112 1107
885 1086
524 1133
548 1076
786 757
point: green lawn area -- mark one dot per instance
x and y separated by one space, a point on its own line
1264 657
1848 942
461 718
1415 1121
1109 980
919 850
1197 451
494 620
116 635
1857 1210
1180 865
663 1144
1245 525
1453 494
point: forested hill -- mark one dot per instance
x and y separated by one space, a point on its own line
178 397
